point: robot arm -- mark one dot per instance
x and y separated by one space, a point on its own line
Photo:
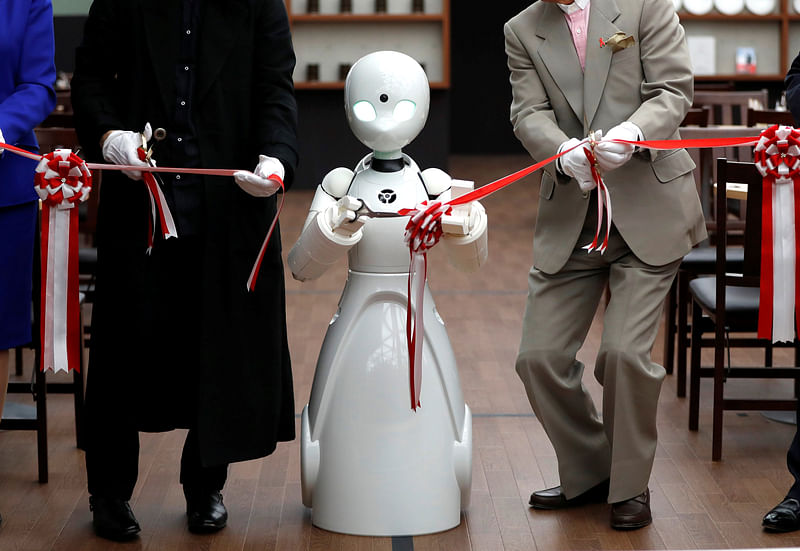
330 229
465 238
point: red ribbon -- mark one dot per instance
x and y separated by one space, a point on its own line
251 281
423 231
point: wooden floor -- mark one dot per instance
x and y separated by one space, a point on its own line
696 504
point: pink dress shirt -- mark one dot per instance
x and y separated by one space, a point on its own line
577 15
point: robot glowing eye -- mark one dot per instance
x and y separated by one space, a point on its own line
364 111
404 110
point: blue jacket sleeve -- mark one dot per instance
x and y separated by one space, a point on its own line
793 89
33 97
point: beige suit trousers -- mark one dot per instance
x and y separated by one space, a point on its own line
621 445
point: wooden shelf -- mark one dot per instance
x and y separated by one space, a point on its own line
739 77
780 20
332 39
367 18
737 17
339 85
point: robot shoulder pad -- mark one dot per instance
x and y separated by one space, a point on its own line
436 181
337 182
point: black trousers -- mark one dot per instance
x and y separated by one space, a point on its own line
112 469
793 460
120 403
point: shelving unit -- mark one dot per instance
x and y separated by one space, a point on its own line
770 35
329 39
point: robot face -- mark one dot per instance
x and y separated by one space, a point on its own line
387 98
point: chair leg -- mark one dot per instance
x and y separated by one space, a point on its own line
694 383
41 423
18 361
719 387
669 329
682 329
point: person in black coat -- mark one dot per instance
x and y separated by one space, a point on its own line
785 517
177 339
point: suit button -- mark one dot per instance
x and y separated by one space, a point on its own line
585 194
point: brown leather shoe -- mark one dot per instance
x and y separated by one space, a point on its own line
632 513
553 498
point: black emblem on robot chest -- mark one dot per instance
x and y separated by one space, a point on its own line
387 196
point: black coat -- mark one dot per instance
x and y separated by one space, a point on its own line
793 89
243 105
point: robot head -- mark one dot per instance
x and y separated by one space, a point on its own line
386 97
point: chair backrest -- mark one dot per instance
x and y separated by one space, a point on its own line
704 158
769 117
56 137
733 172
697 116
730 107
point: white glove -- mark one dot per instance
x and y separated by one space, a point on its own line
121 148
576 165
611 155
342 218
257 183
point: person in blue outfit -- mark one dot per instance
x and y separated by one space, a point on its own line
27 74
785 516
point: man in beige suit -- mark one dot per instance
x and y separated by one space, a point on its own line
621 67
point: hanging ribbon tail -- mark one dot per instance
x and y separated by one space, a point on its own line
414 324
251 281
160 215
603 190
423 231
603 204
777 157
62 180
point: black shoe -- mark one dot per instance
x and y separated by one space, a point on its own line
632 513
113 518
206 512
553 498
784 517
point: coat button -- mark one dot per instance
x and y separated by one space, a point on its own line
585 194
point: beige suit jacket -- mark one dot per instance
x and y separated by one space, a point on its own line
655 203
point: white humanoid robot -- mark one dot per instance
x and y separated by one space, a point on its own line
370 465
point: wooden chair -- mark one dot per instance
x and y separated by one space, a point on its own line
730 107
49 139
757 117
697 116
702 259
726 303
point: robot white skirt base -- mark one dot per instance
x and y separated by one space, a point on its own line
370 465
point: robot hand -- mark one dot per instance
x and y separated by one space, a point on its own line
463 219
258 183
611 155
575 164
342 218
121 147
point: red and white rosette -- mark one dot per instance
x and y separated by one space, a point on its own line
423 231
777 157
62 182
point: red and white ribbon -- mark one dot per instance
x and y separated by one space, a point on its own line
603 204
423 231
160 215
62 181
777 157
251 281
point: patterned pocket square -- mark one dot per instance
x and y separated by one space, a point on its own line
618 41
